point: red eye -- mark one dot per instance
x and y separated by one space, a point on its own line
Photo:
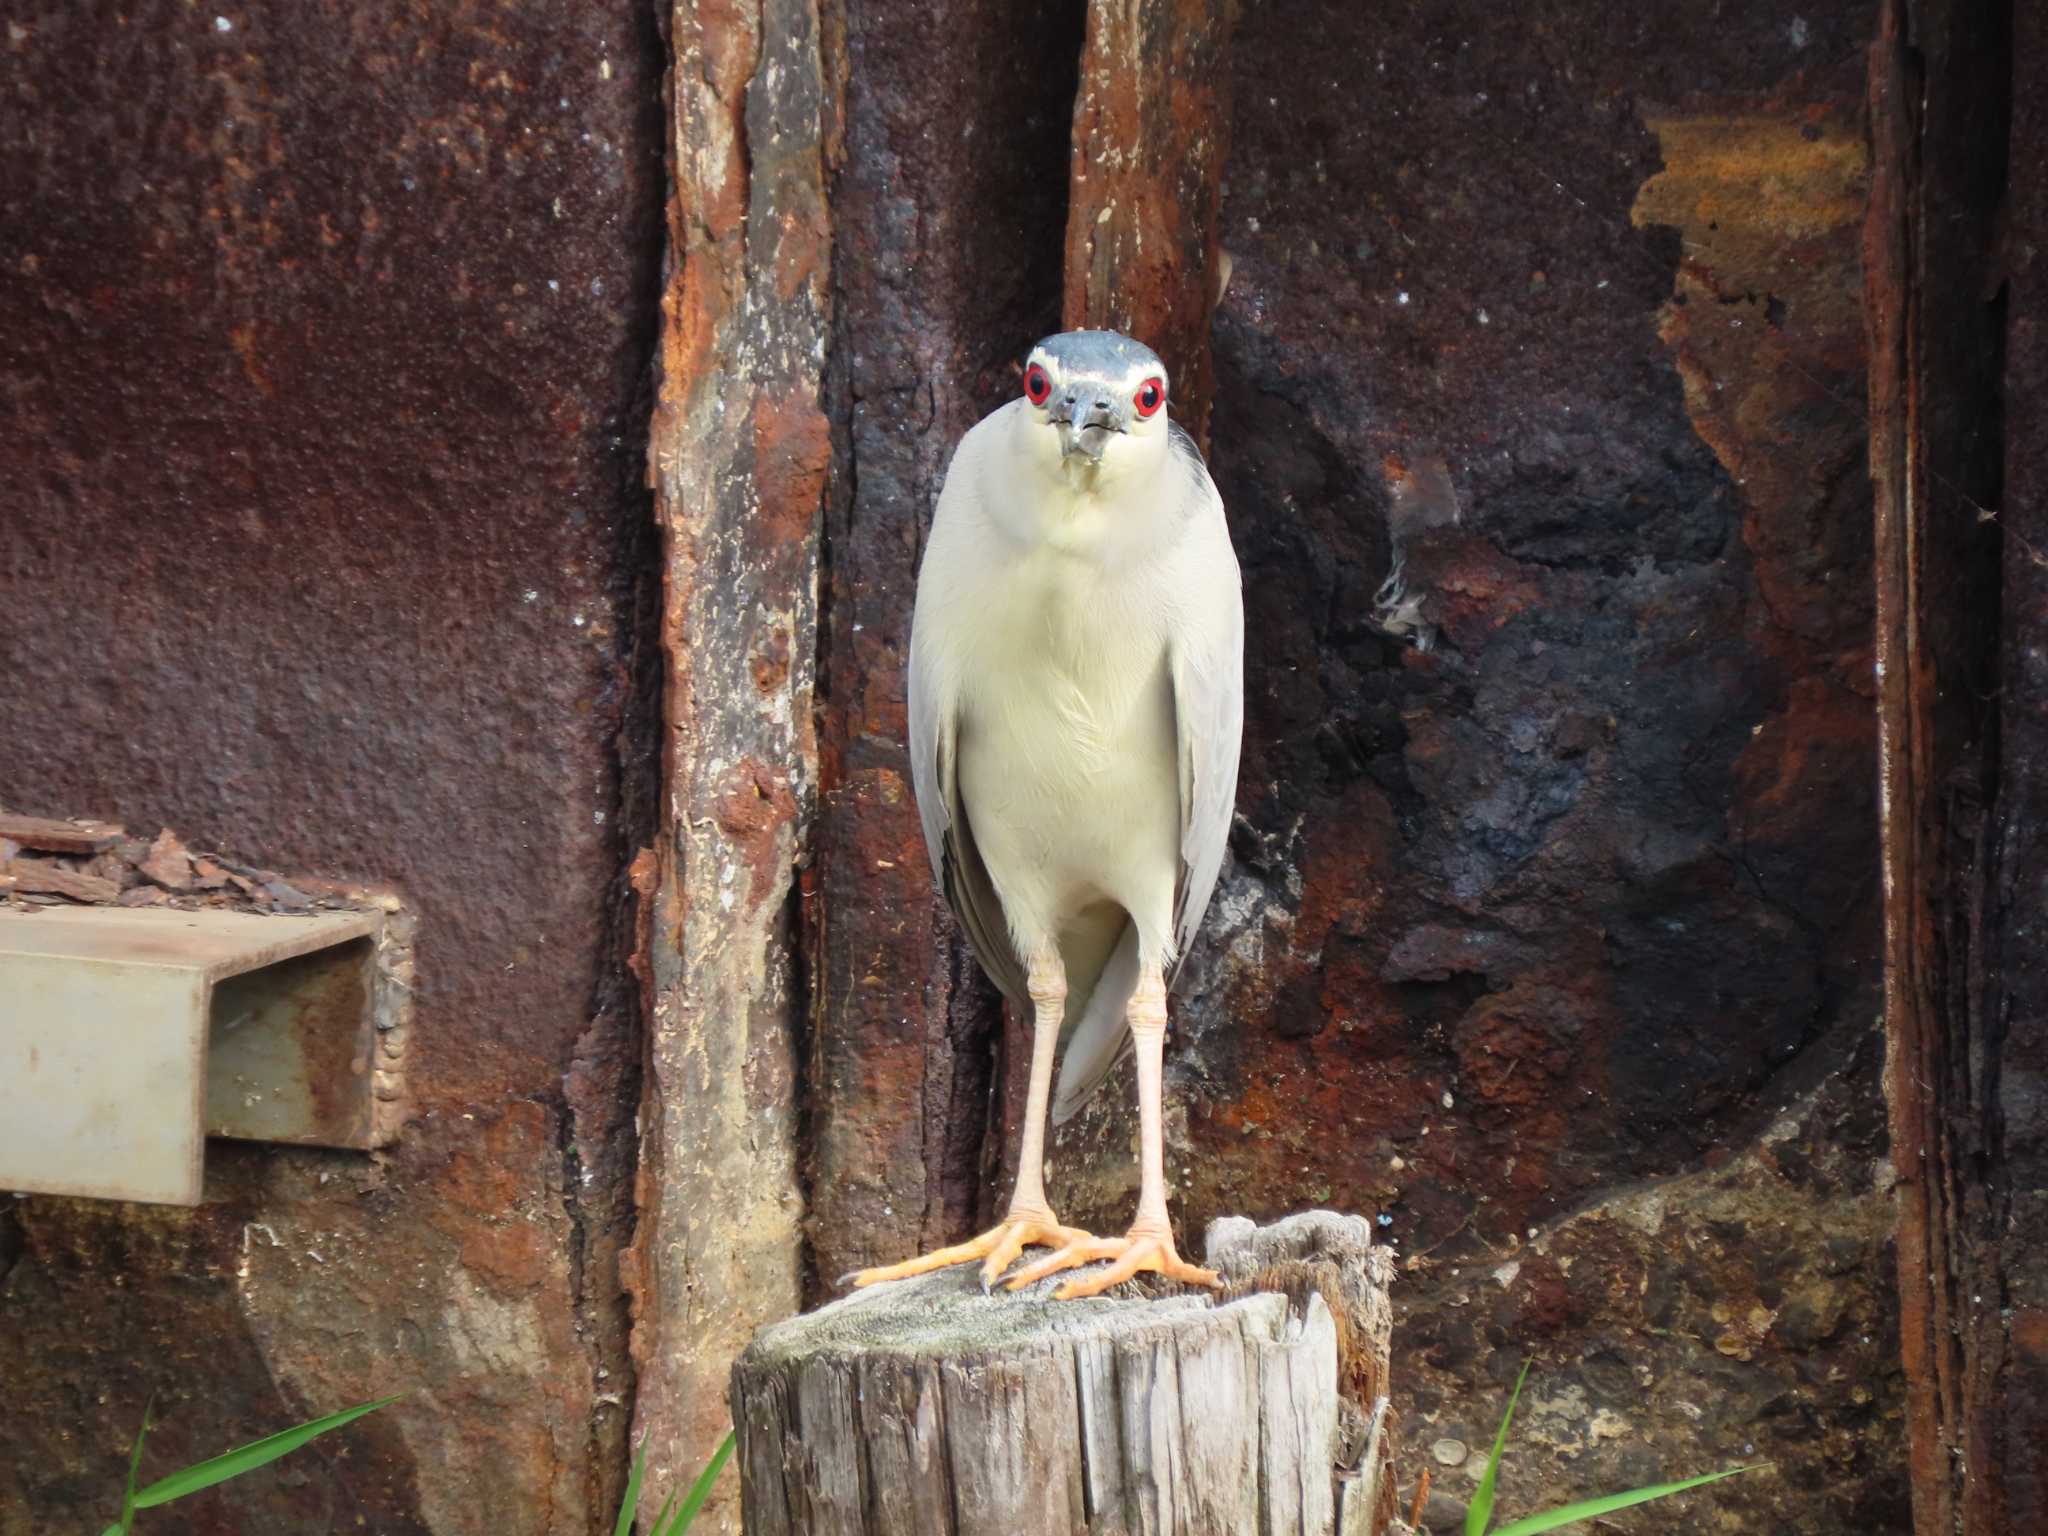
1150 396
1037 387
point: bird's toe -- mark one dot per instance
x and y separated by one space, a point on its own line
1135 1254
1080 1249
997 1248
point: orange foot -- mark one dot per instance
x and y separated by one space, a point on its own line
997 1248
1136 1252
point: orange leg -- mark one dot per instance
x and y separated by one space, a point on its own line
1148 1246
1029 1219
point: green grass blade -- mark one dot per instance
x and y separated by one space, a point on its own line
126 1523
702 1489
258 1453
1551 1519
630 1504
661 1516
1481 1509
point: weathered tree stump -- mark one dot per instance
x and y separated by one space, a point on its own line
926 1406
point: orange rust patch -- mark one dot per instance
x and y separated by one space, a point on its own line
1822 725
752 810
489 1174
770 660
243 339
801 250
792 452
2030 1332
1514 1047
1736 180
1474 589
514 1256
1765 326
1337 870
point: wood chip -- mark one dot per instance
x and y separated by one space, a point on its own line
59 836
39 875
286 897
168 864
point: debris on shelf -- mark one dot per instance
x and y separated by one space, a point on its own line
46 861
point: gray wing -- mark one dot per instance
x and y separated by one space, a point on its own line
1209 713
951 842
1206 660
949 833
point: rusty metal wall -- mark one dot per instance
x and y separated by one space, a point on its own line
324 332
1554 944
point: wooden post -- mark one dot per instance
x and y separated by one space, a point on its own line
927 1406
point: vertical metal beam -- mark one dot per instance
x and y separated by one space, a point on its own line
2019 1388
738 458
1151 133
1937 104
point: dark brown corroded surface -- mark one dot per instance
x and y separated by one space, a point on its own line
949 208
1151 133
1557 313
738 456
321 332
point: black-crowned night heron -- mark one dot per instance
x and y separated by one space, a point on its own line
1076 703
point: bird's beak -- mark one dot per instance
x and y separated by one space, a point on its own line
1086 419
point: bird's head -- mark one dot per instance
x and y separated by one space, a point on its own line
1100 399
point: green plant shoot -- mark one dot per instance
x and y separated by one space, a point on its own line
672 1519
219 1469
1479 1516
1481 1511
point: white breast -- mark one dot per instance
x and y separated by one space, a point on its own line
1067 753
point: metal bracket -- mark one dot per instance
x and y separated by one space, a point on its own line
127 1036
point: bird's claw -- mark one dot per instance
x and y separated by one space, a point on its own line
1135 1253
997 1248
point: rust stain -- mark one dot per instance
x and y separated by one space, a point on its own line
1823 733
513 1256
792 455
487 1171
243 339
642 875
1474 588
1766 331
769 661
1742 182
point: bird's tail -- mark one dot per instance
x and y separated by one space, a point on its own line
1100 1036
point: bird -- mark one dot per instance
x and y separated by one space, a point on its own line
1076 692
